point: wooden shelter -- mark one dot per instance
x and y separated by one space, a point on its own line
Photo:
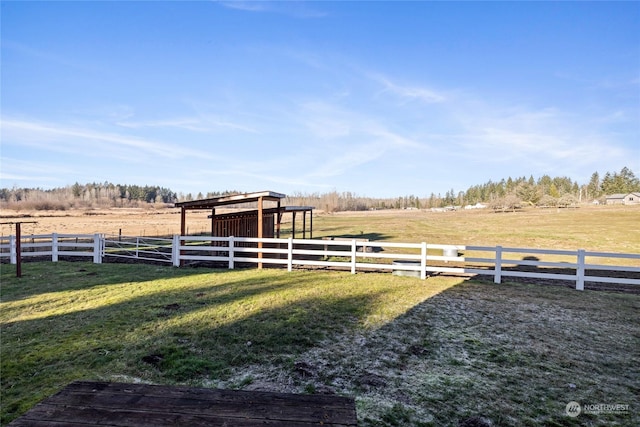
256 221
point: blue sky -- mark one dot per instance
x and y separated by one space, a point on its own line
377 98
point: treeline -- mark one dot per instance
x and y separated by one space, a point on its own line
505 194
89 195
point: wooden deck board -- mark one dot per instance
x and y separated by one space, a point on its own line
85 403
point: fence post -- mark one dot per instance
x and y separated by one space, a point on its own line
54 247
97 246
498 267
423 261
175 250
231 253
580 270
353 256
13 259
290 254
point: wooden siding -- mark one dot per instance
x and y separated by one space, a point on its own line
243 224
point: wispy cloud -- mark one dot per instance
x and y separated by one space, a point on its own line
296 9
409 92
535 140
54 137
194 124
18 170
45 56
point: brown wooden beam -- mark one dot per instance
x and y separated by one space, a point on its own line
304 224
183 228
293 225
278 218
183 220
260 227
18 250
213 222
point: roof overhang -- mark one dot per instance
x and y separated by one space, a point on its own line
231 200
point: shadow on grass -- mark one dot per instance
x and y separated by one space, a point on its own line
363 235
46 277
177 335
513 354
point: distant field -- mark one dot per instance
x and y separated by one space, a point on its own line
603 228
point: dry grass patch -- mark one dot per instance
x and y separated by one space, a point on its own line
509 354
598 228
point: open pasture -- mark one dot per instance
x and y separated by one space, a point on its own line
599 228
412 352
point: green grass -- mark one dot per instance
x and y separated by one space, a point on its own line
66 321
411 352
598 228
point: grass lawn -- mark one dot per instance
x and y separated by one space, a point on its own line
595 228
412 352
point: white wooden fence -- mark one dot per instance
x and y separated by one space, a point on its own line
421 259
54 245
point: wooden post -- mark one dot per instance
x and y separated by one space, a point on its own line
231 253
13 259
183 220
304 224
54 247
580 270
353 256
311 224
183 226
278 218
497 278
175 251
18 250
423 261
293 225
97 249
260 228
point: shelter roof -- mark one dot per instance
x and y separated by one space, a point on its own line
230 200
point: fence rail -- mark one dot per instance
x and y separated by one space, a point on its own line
142 248
420 259
53 245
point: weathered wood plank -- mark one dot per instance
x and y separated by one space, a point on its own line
85 403
44 414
